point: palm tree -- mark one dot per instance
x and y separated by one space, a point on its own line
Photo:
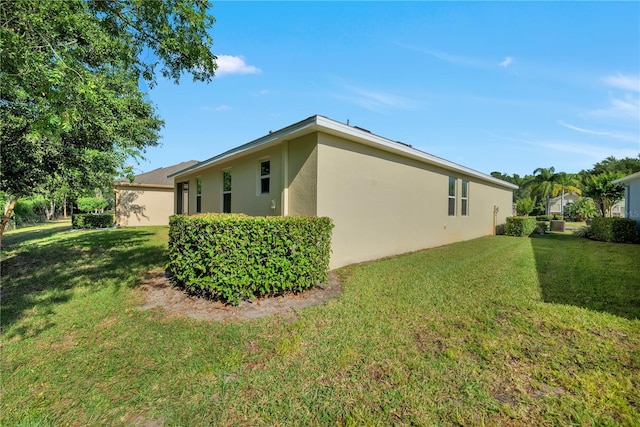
565 183
543 183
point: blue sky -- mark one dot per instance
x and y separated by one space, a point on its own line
496 86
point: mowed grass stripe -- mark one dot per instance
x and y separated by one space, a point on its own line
461 334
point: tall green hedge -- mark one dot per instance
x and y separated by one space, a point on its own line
520 225
103 220
235 257
617 230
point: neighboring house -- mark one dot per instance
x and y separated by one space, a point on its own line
385 197
555 203
617 210
148 200
632 196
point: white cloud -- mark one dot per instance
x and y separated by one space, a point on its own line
228 64
624 82
609 134
372 99
507 61
448 57
587 153
620 108
217 109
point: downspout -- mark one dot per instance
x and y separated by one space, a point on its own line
285 178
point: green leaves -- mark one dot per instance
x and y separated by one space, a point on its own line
520 226
70 79
234 256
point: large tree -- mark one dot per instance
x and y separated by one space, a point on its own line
70 81
542 184
603 191
566 183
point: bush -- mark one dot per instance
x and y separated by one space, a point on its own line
544 217
29 210
525 206
234 257
583 232
520 226
617 230
92 220
580 210
541 227
91 204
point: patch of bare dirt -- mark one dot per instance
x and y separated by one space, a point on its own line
158 292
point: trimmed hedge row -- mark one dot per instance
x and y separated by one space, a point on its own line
103 220
520 226
617 230
234 257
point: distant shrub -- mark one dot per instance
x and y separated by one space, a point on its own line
583 232
525 206
544 217
520 226
581 209
234 257
541 227
104 220
29 210
91 204
617 230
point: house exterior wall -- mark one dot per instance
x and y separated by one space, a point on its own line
303 175
140 205
245 185
632 198
383 204
555 207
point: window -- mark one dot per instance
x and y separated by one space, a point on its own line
265 176
452 196
182 206
199 195
464 198
226 191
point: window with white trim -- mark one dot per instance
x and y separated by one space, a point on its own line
182 206
226 191
464 198
452 196
265 176
198 195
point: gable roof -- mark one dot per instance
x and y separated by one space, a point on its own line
158 177
627 178
353 133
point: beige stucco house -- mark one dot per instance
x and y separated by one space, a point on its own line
148 200
385 197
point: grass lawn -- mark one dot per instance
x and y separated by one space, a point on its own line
494 331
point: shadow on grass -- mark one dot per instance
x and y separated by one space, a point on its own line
595 275
16 237
40 274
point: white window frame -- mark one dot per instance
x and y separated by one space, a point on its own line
451 197
225 192
262 177
198 195
464 197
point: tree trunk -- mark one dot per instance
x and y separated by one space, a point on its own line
8 209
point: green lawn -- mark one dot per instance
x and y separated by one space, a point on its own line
494 331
